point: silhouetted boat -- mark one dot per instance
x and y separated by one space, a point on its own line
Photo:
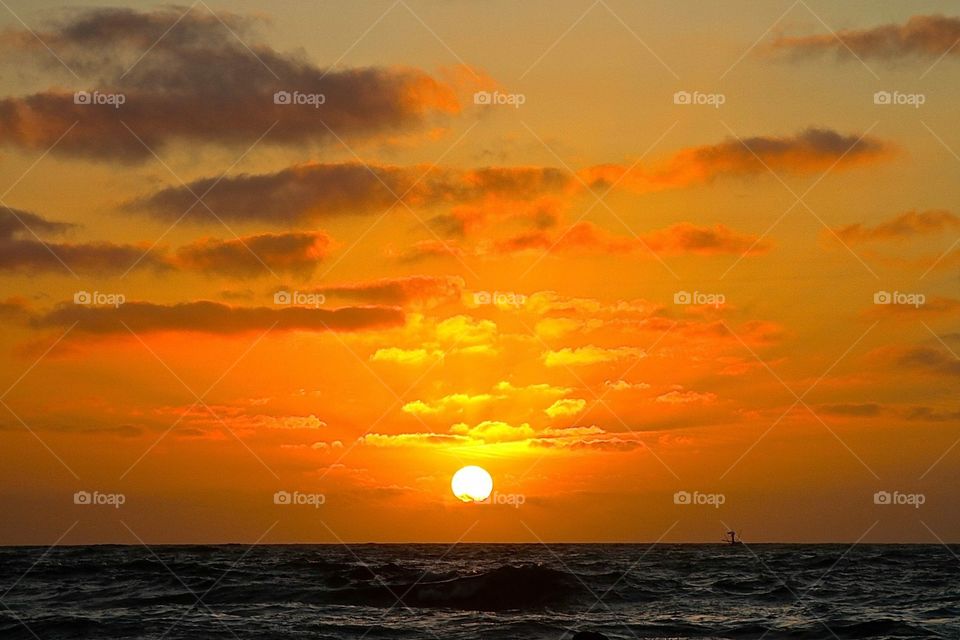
732 538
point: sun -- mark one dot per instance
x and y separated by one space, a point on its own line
472 484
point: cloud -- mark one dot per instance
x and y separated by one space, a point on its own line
213 317
15 308
929 37
291 422
465 330
406 356
23 249
251 256
400 291
410 439
452 404
504 396
590 354
591 438
425 250
586 238
493 431
678 396
686 238
863 409
335 444
542 210
915 413
566 407
904 226
17 223
623 385
479 197
200 81
317 191
932 414
809 151
930 360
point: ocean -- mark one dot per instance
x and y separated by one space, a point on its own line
480 591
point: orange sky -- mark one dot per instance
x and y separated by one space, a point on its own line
616 256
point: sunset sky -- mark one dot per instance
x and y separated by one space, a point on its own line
471 243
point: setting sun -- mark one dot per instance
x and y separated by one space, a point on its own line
472 484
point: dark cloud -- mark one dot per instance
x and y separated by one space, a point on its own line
400 291
214 317
809 151
586 238
480 196
865 409
200 82
931 360
15 308
315 191
18 223
22 248
931 414
295 253
927 37
686 238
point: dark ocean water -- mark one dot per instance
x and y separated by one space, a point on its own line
480 591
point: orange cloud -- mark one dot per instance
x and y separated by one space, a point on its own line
904 226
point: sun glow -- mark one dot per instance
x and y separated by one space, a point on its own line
472 484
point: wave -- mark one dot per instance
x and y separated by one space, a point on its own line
503 588
325 592
500 589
